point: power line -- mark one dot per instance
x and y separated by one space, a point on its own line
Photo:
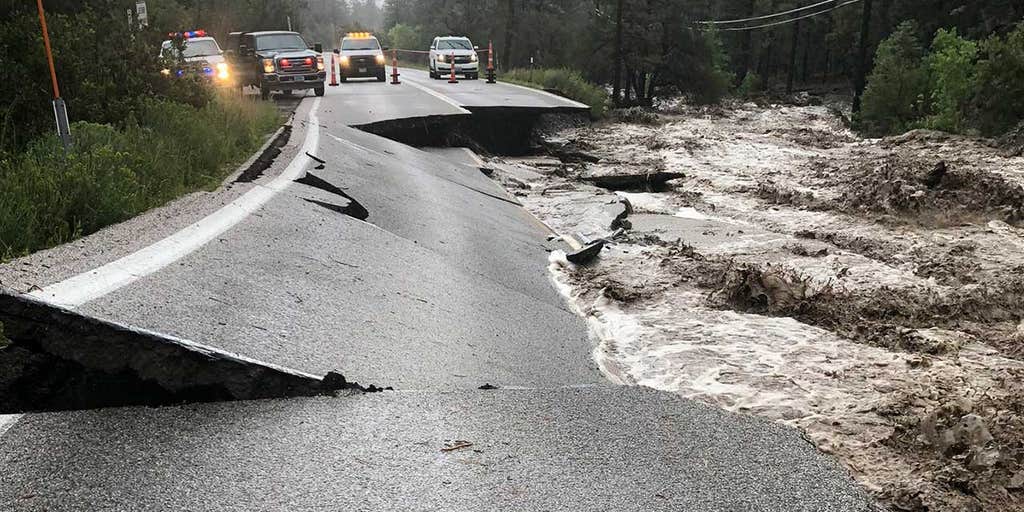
791 20
767 16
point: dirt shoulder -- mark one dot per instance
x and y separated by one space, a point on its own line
869 292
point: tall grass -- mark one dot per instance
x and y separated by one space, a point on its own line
48 197
566 82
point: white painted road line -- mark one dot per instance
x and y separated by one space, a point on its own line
545 93
96 283
438 95
7 421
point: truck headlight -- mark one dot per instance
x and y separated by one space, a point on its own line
268 65
320 63
440 57
344 60
380 58
473 58
222 71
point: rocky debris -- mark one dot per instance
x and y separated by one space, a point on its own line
635 115
934 178
634 181
60 359
1012 143
570 151
894 186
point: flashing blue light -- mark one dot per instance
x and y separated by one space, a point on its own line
181 72
208 71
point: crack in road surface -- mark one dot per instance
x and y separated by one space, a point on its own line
353 209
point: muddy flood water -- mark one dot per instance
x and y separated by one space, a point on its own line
867 291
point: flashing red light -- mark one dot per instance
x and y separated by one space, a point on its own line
309 61
187 35
285 63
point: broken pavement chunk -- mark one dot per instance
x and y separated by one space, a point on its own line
587 254
86 362
645 181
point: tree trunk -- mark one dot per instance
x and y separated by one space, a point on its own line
748 37
860 78
617 81
794 43
510 31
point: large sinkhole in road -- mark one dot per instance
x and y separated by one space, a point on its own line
500 131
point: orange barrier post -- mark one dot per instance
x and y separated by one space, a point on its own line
394 67
490 63
334 71
452 80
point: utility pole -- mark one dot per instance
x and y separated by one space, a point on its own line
60 111
860 80
617 81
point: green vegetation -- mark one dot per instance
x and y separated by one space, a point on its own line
139 139
565 82
114 173
898 86
959 86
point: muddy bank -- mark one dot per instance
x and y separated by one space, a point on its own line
869 292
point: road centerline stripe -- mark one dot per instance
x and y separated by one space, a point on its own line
96 283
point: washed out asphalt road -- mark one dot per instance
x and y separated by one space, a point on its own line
441 289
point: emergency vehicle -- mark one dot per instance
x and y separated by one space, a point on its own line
194 52
361 55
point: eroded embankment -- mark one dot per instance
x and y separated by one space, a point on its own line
866 291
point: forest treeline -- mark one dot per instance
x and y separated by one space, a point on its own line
661 46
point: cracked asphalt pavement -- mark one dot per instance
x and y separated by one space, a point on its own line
443 288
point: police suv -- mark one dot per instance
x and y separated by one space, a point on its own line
194 52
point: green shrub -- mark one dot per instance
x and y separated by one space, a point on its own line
951 69
897 89
566 82
752 85
48 197
999 98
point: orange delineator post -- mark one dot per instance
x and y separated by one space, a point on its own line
452 80
334 72
49 52
490 63
394 67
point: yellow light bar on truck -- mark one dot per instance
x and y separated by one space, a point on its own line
359 35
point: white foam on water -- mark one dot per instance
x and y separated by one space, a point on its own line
691 213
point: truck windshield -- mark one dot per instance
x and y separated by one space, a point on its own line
360 44
454 44
280 42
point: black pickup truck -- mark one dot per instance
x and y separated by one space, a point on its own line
276 61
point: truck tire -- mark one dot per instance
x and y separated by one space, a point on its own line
382 76
264 92
319 91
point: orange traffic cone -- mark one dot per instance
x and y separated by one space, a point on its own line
452 80
490 63
394 67
334 73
